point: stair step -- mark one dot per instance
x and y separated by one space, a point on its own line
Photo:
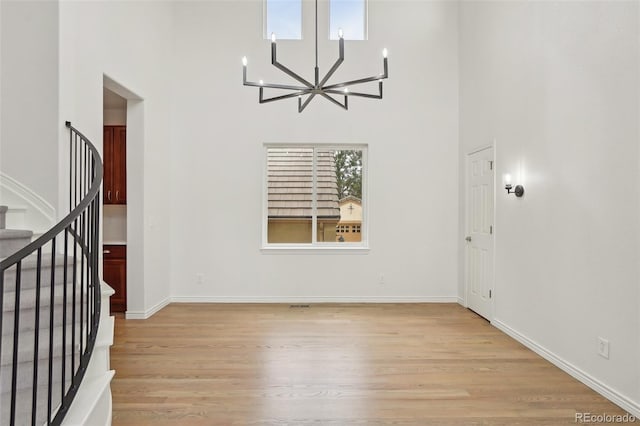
24 377
23 406
28 297
12 240
92 405
28 317
26 342
29 268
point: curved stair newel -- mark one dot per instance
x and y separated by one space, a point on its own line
50 294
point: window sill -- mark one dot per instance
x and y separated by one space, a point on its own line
306 249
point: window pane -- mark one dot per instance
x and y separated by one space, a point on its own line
290 195
327 193
284 19
314 189
348 165
348 15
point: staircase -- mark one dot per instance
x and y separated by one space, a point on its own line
55 338
11 240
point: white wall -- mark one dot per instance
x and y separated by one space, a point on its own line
29 95
218 131
131 43
556 85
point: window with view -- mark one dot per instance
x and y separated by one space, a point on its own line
315 195
284 19
350 16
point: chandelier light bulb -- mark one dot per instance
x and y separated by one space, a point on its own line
384 52
273 37
261 82
244 61
340 33
346 90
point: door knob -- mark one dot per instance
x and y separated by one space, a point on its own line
468 239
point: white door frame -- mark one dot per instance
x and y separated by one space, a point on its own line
466 223
136 287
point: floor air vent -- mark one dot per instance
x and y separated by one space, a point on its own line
298 306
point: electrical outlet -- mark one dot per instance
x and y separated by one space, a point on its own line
200 278
381 279
603 347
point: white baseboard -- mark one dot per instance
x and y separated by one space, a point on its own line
311 299
611 394
149 312
461 302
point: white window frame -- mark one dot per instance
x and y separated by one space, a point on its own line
315 246
366 23
267 36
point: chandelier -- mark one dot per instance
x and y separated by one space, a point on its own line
307 91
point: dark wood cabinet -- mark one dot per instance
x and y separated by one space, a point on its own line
115 165
115 274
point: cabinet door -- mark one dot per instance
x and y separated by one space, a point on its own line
115 274
107 160
120 165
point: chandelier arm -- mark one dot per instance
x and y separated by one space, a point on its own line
345 105
359 94
292 74
301 105
275 63
336 65
277 98
275 86
269 85
353 82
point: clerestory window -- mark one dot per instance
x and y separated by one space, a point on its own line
283 18
350 16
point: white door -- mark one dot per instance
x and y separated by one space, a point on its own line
479 238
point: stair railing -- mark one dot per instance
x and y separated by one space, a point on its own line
50 295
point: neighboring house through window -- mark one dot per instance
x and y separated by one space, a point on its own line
350 219
314 195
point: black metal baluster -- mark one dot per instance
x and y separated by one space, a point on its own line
64 312
51 327
81 281
86 248
92 237
16 333
70 165
73 297
96 257
75 169
36 343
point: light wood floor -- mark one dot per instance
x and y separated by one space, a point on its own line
373 364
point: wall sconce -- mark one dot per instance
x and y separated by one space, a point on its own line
518 190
